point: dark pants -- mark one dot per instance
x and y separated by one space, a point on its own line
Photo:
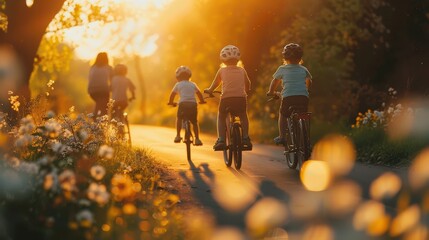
298 101
236 105
188 110
101 99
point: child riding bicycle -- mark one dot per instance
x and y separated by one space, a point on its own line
187 102
235 86
295 80
120 85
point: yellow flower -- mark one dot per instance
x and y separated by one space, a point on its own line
122 187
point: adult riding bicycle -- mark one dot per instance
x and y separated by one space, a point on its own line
234 147
186 125
297 137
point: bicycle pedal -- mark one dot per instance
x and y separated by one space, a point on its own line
289 151
247 148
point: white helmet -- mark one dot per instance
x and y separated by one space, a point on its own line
183 71
229 52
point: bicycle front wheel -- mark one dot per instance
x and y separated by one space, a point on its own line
290 154
303 152
227 152
188 140
238 148
290 146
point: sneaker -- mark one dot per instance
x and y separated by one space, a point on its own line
247 144
219 145
279 141
198 142
177 139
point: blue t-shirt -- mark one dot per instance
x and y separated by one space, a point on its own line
293 79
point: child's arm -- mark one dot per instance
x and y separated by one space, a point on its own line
216 82
273 86
199 94
172 95
308 82
132 90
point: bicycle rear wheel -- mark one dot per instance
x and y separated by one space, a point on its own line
188 139
303 152
238 154
227 152
127 134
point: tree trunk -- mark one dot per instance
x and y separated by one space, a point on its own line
142 85
25 30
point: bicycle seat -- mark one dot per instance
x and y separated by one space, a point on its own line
297 109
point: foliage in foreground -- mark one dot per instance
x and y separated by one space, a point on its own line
69 177
392 134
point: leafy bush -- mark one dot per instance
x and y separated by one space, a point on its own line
383 136
374 146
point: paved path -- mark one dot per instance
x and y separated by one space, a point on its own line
227 194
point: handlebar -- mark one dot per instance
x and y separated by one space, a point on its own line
274 96
210 94
174 104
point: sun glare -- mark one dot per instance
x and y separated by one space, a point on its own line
128 37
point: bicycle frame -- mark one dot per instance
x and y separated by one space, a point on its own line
297 136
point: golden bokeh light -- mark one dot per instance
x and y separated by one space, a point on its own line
368 213
420 232
233 195
315 175
265 215
405 221
277 234
305 205
319 232
343 197
228 233
385 186
379 226
338 151
418 173
29 3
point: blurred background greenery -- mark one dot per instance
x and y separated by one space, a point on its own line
355 50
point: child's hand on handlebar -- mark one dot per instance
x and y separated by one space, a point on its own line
202 102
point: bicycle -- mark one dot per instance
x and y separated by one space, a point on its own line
123 126
297 137
234 147
189 137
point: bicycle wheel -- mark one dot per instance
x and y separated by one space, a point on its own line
227 152
303 152
188 139
290 154
238 154
127 133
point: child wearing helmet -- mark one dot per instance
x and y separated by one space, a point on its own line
119 86
295 80
235 87
186 90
